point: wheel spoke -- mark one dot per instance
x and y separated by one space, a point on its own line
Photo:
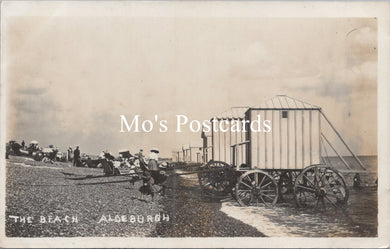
319 175
261 187
262 199
268 190
247 185
262 180
268 196
308 189
244 194
250 179
330 201
312 184
245 190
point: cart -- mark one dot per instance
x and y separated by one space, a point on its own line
258 168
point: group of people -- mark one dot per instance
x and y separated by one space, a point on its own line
15 148
76 156
152 175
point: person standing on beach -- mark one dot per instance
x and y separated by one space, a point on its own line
70 150
76 156
140 154
356 181
153 160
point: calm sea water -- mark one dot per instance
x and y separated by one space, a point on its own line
368 176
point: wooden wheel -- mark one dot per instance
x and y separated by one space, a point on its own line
256 186
216 178
320 186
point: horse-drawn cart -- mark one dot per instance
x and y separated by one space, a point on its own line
292 158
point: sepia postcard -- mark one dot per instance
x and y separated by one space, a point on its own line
194 124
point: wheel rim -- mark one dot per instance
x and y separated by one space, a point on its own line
320 187
218 182
256 187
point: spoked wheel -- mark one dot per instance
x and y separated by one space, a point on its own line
319 186
255 187
216 178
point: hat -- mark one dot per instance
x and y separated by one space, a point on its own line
155 150
163 165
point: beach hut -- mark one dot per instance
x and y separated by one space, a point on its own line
217 144
290 155
175 156
195 154
293 141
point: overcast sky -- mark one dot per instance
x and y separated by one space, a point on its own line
70 77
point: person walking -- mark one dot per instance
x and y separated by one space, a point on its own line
158 175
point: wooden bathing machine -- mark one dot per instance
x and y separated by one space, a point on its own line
259 165
293 141
217 144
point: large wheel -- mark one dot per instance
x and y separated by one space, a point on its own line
216 178
255 187
319 186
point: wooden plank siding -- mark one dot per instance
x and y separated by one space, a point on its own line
293 142
222 142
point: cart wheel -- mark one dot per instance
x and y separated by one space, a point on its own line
320 186
219 182
256 186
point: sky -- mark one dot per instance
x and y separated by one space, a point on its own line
70 77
